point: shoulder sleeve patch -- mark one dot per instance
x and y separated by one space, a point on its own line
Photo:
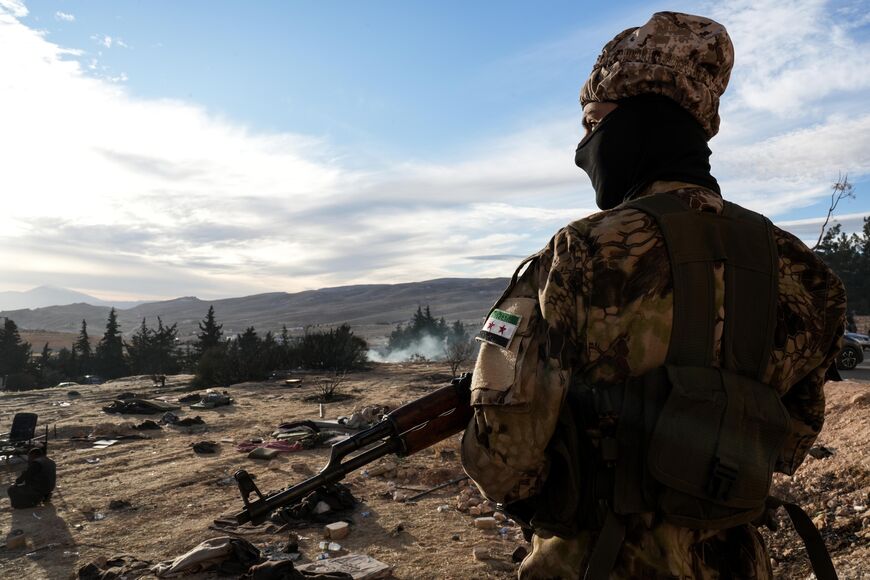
499 328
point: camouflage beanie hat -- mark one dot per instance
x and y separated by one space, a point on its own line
684 57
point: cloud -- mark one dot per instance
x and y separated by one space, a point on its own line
104 191
14 8
64 16
792 54
107 41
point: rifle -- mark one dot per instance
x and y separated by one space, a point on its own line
409 429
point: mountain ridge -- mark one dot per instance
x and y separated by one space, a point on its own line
372 310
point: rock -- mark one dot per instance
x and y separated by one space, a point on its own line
487 508
336 530
321 508
820 452
474 510
481 553
519 554
400 495
443 508
455 537
860 399
499 517
819 521
119 504
302 468
486 523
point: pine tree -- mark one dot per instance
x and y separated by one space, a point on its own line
210 333
14 352
82 347
110 350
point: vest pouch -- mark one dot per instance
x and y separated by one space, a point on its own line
714 447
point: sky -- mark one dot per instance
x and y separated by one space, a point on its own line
150 150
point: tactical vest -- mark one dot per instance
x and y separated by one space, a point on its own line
693 443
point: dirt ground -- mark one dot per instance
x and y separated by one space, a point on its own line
176 494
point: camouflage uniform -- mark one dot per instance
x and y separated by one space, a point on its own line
597 304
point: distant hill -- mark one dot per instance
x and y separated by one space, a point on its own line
52 296
372 309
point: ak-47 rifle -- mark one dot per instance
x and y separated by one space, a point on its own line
409 429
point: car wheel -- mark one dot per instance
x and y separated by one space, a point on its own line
848 358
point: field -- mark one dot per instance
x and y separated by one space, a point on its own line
176 494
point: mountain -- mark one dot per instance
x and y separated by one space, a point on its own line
51 296
373 310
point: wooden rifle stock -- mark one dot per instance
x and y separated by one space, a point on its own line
409 429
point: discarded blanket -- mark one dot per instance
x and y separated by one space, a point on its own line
224 555
335 496
139 407
114 568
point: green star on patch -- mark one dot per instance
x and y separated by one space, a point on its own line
499 328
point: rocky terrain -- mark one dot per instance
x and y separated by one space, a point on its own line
154 498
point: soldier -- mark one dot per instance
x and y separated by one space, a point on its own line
36 484
645 372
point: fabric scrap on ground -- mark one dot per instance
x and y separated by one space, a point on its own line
224 555
139 407
336 495
172 419
191 398
114 568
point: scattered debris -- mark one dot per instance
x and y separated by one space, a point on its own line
437 487
336 530
92 460
358 566
73 394
365 417
481 553
120 504
336 496
820 452
224 555
206 447
263 453
170 418
103 443
16 539
116 567
397 529
519 554
191 398
485 523
213 399
147 424
139 407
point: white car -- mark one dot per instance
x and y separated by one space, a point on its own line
861 339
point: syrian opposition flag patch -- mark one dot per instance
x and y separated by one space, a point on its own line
499 328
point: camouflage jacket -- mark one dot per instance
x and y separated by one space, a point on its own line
598 302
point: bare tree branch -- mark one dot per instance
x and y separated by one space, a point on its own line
840 190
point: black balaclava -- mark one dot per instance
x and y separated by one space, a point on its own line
646 138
